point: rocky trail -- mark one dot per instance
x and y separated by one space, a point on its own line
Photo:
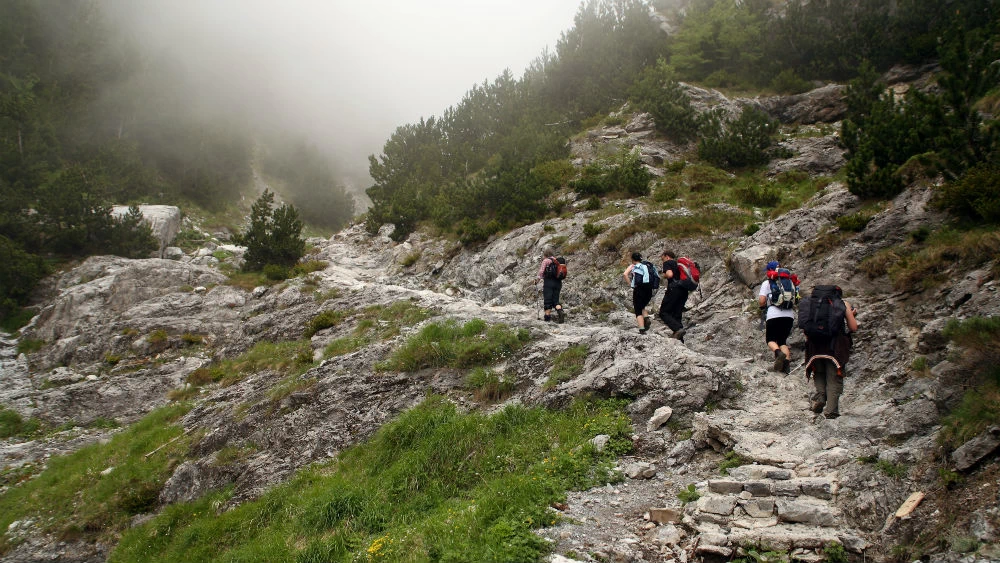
792 481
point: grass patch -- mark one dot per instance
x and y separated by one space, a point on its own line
29 345
892 470
567 365
703 222
308 267
13 425
979 409
919 265
732 460
324 320
93 493
410 259
290 358
377 323
448 344
435 485
488 385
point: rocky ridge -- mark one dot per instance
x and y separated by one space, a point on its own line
798 484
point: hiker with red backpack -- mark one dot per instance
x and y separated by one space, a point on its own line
551 273
682 276
828 323
779 295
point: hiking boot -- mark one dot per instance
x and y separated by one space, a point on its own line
832 415
816 406
679 334
561 316
643 330
548 318
779 360
786 367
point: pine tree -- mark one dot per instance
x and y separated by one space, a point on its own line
273 236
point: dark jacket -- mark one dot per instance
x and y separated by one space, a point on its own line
836 349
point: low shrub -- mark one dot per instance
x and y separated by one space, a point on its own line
856 222
324 320
759 195
690 494
591 230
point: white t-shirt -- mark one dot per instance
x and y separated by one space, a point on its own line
772 311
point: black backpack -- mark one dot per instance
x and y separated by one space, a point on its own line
822 314
552 269
654 276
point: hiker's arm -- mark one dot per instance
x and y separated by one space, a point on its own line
852 321
627 272
762 301
541 270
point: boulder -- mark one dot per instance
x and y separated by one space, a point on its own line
969 453
164 220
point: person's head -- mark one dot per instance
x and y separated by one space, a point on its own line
636 257
547 252
772 266
669 254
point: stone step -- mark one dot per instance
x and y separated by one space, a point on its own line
818 487
752 512
714 540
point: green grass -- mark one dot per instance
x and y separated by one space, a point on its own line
29 345
703 222
16 320
731 461
326 319
77 497
435 485
917 264
567 365
13 425
448 344
488 385
293 357
979 339
377 323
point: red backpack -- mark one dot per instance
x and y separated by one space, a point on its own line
690 273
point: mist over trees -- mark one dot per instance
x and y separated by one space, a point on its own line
482 167
88 119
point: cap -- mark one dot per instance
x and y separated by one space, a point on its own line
772 265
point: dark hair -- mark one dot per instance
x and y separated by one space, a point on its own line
670 253
636 257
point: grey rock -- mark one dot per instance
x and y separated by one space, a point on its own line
725 486
600 442
810 512
659 418
758 508
164 220
758 488
969 453
721 505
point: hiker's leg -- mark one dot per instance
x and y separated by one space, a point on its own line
670 310
556 291
834 388
819 381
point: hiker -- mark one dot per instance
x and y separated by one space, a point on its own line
828 322
640 278
779 295
674 299
551 285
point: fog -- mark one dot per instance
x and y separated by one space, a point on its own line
345 74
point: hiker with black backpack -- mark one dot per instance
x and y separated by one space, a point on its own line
551 273
643 278
828 323
676 295
779 295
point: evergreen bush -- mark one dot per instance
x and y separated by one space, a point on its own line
273 236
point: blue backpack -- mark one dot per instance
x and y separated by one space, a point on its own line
784 289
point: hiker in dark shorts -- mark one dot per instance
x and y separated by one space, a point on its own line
672 306
778 325
640 279
551 287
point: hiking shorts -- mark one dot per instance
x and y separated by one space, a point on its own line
778 330
641 296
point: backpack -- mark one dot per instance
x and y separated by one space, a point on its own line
784 289
690 273
650 279
654 276
553 267
561 269
822 314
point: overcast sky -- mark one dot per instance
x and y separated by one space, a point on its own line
348 73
